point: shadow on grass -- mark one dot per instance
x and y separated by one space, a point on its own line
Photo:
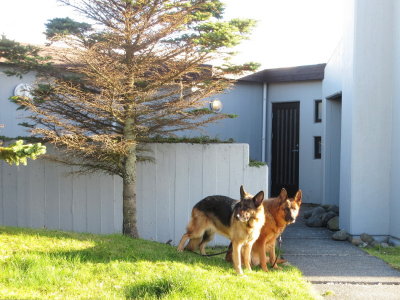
158 288
115 247
109 248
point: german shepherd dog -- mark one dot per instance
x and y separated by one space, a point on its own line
240 221
279 212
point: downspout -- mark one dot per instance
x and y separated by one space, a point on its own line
264 121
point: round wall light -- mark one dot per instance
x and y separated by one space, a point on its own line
216 105
23 90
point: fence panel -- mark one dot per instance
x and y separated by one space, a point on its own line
45 194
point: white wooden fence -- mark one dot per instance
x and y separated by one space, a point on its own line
44 194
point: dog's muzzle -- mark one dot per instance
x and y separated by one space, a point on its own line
290 219
241 218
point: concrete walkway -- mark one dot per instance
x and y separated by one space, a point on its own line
336 269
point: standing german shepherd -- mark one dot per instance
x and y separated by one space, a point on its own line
279 212
240 221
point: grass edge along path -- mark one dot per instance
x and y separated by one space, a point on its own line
44 264
390 255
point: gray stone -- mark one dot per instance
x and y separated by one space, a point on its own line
384 245
307 214
333 224
333 208
356 241
381 238
363 245
366 238
327 216
340 235
394 242
314 221
317 211
373 243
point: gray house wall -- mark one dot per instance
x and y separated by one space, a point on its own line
244 100
367 70
332 116
9 116
395 138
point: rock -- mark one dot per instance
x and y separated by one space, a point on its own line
366 238
356 241
384 245
327 216
333 208
394 242
363 245
307 214
340 235
317 211
314 221
325 206
333 224
381 238
374 243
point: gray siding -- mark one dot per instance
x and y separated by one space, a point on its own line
42 194
9 116
244 100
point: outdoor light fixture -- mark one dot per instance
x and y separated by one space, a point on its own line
216 105
23 90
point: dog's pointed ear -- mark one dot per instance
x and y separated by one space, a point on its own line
283 195
242 192
298 197
258 199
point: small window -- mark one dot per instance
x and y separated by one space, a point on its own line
318 111
317 147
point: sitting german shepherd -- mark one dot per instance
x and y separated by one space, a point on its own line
279 212
240 221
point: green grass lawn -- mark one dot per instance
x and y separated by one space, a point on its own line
43 264
390 255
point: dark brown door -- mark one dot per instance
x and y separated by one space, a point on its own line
285 147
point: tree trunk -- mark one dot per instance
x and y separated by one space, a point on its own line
129 195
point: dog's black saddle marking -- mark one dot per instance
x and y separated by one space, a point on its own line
220 206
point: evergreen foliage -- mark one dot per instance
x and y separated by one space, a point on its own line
18 152
139 70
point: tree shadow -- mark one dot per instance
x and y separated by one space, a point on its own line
115 247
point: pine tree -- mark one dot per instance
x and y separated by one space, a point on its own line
140 70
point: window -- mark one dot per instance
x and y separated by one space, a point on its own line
317 147
318 111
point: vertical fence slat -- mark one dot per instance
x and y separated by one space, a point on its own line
93 213
37 188
106 204
66 197
52 196
79 203
10 195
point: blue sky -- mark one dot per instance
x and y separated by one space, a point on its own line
289 32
